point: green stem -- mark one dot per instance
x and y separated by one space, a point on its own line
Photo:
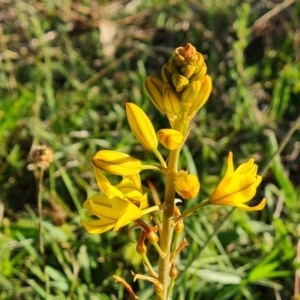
175 246
150 167
191 210
157 221
160 158
40 227
170 288
168 222
148 266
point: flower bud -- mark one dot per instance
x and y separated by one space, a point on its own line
187 71
117 163
154 88
173 272
141 126
179 226
166 73
179 82
206 86
200 71
170 99
187 186
190 93
186 55
152 237
170 138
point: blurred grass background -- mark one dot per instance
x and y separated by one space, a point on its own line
67 68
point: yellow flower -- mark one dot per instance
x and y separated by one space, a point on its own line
117 163
141 126
187 185
117 207
238 186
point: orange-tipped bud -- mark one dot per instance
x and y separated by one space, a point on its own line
179 82
187 186
154 88
117 163
171 102
170 138
141 126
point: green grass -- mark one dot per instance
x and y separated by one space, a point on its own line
58 88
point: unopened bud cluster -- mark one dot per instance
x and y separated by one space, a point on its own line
184 87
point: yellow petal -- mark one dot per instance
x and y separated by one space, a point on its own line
260 206
117 163
98 226
131 214
101 179
136 179
141 126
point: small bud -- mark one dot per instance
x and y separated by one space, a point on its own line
179 82
206 87
201 69
187 71
170 138
152 237
187 186
117 163
186 55
166 73
141 126
190 93
173 272
179 226
170 99
154 88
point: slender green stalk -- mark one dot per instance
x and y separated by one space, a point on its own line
160 158
175 246
148 266
168 224
193 209
40 207
170 288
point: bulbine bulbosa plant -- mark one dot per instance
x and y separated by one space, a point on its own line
181 92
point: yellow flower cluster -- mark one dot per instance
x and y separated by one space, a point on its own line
182 91
118 205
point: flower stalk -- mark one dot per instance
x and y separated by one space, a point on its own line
181 92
